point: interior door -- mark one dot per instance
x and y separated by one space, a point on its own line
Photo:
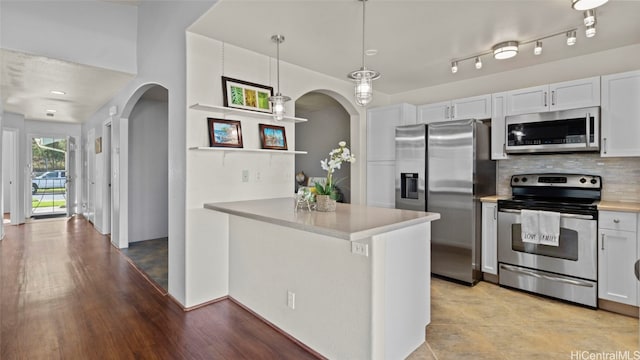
70 167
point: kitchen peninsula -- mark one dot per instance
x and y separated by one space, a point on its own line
349 284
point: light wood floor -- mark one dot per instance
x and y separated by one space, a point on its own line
66 293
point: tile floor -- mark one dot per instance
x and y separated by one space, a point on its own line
152 258
490 322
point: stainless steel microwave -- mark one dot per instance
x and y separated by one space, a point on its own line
554 131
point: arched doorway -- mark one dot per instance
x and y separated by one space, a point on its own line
336 119
143 191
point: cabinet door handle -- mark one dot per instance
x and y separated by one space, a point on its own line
553 97
495 213
446 112
604 144
602 242
587 124
616 221
545 99
453 111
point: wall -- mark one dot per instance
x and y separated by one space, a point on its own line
319 136
216 176
148 205
161 58
596 64
83 32
16 121
619 175
6 204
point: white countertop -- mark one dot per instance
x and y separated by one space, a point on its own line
349 222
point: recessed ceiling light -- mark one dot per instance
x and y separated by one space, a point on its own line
58 92
371 52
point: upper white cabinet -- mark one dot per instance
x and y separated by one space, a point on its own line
498 132
617 249
490 238
475 107
620 115
559 96
381 129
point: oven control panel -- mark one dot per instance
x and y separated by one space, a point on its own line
557 180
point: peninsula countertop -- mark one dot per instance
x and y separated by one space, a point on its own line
349 222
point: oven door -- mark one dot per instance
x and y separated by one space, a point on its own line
575 256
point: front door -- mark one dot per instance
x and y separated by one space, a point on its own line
70 166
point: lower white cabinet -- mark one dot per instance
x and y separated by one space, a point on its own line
617 250
381 184
490 238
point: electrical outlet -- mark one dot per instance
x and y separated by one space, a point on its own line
359 248
291 300
245 175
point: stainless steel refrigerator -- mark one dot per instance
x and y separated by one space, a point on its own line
446 167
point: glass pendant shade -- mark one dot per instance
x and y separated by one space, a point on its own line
277 105
278 100
587 4
364 77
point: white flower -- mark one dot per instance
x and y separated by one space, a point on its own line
324 165
342 144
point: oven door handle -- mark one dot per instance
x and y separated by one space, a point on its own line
569 216
547 277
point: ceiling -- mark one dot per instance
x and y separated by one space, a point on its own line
415 39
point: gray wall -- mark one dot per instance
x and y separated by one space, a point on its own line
318 136
148 171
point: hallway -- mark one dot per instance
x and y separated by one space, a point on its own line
67 293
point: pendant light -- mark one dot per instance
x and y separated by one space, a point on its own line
277 101
363 77
587 4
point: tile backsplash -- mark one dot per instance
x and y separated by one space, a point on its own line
620 176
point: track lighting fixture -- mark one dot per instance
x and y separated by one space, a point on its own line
478 63
537 50
571 37
454 67
587 4
589 17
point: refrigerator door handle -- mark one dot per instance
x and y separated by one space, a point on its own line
637 269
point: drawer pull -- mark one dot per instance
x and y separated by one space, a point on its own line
617 221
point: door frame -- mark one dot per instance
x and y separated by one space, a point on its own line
107 208
12 156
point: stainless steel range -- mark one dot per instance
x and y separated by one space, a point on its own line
567 271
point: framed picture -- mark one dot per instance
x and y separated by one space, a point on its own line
226 133
245 95
273 137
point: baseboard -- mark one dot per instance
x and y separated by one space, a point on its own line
624 309
490 278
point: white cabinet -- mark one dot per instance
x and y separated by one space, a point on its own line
620 115
498 127
381 184
475 107
381 129
617 250
381 151
490 238
560 96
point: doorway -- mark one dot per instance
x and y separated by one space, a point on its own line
48 176
327 116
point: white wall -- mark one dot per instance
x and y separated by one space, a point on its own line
161 51
319 136
88 32
214 176
6 147
148 193
16 121
596 64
